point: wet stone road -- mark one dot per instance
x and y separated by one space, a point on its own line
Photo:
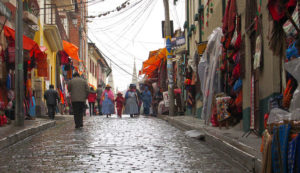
112 145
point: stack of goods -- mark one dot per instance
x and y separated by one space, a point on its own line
3 119
222 104
281 141
281 147
231 61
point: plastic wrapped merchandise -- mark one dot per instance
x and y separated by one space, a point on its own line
278 115
222 106
208 75
296 114
293 67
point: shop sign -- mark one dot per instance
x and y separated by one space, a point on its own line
168 46
166 98
5 11
202 47
178 41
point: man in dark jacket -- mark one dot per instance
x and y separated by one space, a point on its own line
51 97
79 90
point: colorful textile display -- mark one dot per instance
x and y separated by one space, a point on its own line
229 21
297 155
280 148
42 67
275 8
8 81
266 159
222 106
32 107
64 58
292 154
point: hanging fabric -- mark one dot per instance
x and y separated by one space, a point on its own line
64 57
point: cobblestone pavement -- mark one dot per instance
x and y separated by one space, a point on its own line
112 145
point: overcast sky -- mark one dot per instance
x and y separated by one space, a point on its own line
131 32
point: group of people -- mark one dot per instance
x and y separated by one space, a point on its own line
80 92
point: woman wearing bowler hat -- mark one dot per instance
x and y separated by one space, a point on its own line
107 99
131 100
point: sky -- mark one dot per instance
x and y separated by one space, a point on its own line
130 33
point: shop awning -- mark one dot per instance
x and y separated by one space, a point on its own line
28 44
71 50
154 60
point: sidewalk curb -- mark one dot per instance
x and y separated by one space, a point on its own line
231 150
23 134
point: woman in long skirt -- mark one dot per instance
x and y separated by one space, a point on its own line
107 99
131 100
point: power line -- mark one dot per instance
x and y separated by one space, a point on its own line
120 12
104 47
111 60
130 26
125 19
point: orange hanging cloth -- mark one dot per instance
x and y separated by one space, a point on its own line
71 50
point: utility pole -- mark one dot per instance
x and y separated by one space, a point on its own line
80 36
169 58
19 88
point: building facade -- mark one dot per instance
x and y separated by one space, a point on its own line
98 69
202 18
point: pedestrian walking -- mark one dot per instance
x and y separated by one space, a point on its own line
52 98
120 100
156 99
139 99
108 106
79 90
92 99
99 94
131 100
147 100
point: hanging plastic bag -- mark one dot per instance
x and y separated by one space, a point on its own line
293 67
278 115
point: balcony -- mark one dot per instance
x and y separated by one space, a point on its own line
65 4
52 17
30 12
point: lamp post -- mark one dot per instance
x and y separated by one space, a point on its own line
19 87
169 58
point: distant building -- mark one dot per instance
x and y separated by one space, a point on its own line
134 75
98 68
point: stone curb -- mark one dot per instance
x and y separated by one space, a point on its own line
23 134
229 149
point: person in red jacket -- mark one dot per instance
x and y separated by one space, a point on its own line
92 99
120 103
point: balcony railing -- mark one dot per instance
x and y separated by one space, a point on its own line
52 17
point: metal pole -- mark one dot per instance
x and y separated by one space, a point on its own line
169 58
80 38
19 87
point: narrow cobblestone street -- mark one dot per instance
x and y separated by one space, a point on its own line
112 145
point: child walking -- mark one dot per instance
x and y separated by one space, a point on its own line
120 103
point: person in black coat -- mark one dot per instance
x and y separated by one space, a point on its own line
52 98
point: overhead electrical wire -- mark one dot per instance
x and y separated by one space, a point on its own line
128 18
122 20
176 15
111 59
120 12
130 26
104 45
147 17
